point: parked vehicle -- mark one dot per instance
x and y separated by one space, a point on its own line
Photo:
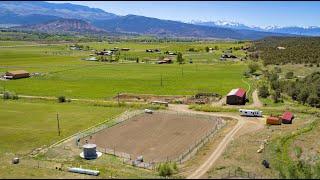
250 113
149 111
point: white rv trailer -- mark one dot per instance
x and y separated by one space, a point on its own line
251 113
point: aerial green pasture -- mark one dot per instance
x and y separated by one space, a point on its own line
25 125
96 80
15 43
64 73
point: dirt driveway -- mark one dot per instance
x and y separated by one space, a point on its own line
244 125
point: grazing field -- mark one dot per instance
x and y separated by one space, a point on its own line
15 43
157 137
25 124
105 81
64 73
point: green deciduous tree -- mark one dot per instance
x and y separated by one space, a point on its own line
207 49
180 59
289 75
253 67
264 91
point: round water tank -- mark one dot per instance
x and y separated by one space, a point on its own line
15 160
89 151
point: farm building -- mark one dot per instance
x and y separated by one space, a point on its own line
281 48
287 117
228 56
273 120
17 74
236 97
104 53
170 53
165 61
152 50
91 59
149 50
125 49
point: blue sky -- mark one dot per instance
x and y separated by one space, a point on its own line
281 13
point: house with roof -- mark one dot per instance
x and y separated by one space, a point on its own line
236 97
166 60
17 74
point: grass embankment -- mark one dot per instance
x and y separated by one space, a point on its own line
281 148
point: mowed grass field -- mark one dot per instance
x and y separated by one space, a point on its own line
66 74
26 124
106 80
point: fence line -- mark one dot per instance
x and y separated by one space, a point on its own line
241 174
126 158
200 143
119 119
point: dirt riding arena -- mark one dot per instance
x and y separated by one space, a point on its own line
157 137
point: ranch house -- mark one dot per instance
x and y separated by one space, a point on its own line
17 74
236 97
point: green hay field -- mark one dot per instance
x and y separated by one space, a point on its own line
66 74
25 125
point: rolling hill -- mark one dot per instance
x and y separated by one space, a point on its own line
64 26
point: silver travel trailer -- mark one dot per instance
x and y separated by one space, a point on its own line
250 113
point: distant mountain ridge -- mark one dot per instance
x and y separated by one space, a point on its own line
294 30
65 10
64 26
39 16
154 26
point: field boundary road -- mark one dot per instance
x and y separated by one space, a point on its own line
72 99
256 100
198 173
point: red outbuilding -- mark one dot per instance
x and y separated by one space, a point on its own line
236 97
287 117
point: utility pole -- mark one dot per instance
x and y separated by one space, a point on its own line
4 89
58 124
118 99
182 69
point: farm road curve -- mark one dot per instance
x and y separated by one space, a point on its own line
243 124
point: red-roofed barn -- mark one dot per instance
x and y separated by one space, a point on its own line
236 97
287 117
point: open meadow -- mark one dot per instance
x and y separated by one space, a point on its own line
29 124
62 72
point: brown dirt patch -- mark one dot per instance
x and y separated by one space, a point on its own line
158 137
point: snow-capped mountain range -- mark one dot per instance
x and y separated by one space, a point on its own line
295 30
